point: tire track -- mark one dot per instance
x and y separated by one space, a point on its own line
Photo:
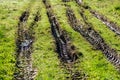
93 37
110 24
65 49
25 38
64 46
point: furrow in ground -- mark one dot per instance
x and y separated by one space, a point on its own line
65 49
24 42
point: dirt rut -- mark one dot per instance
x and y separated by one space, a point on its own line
65 49
110 24
25 38
93 37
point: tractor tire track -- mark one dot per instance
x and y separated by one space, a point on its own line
93 37
65 49
25 38
110 24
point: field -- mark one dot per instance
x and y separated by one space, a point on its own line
59 40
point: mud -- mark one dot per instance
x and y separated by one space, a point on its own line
25 38
65 49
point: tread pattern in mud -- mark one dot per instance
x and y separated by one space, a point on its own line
94 38
25 38
65 49
110 24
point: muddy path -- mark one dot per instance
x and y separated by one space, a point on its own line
93 37
110 24
25 38
67 52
